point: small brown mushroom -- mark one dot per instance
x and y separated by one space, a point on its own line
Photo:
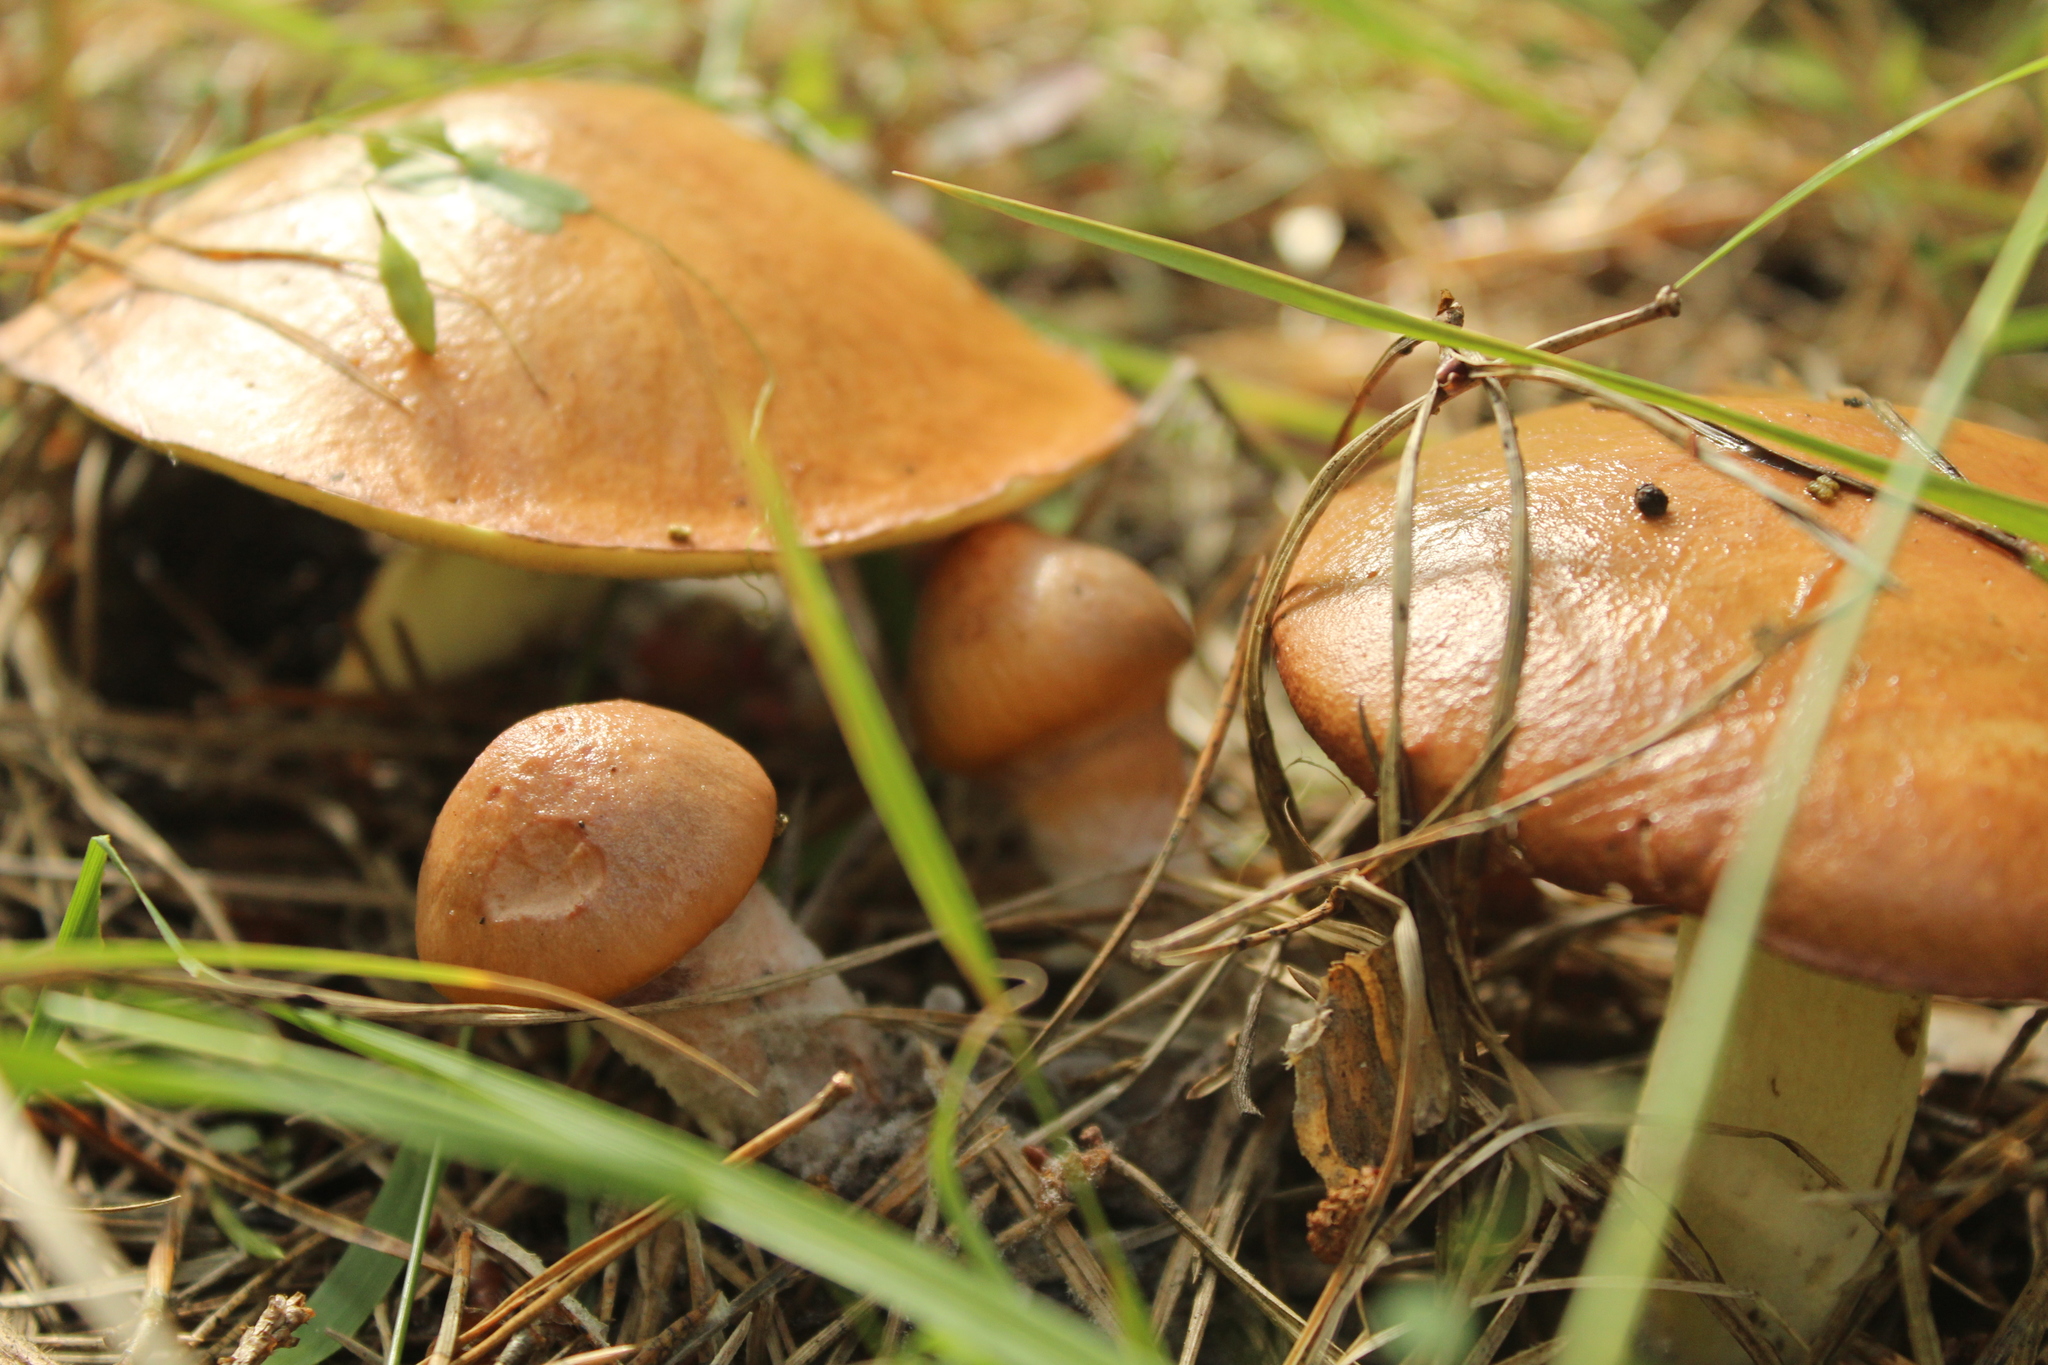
1915 863
612 848
1042 665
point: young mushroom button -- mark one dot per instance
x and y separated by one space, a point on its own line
612 848
1915 863
1043 665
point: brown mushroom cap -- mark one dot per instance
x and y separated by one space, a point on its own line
568 420
1917 859
1024 639
592 846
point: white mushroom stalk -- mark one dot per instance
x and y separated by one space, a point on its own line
787 1042
1834 1066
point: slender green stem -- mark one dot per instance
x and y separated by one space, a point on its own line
878 752
1854 157
401 1315
81 923
906 813
942 1161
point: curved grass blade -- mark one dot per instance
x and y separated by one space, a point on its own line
1854 157
56 220
359 1281
344 120
493 1116
906 813
2020 516
1600 1323
47 963
878 751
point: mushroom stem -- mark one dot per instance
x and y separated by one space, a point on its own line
435 615
1102 803
1834 1066
787 1043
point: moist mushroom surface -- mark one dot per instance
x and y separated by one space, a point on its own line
592 846
1916 859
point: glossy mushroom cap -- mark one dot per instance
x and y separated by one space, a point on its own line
592 846
570 419
1916 860
1025 641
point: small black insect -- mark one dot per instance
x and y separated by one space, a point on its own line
1651 500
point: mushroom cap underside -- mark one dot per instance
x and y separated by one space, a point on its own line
591 847
1916 858
580 409
1026 640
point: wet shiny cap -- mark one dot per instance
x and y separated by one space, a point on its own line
1025 639
577 414
1916 859
591 847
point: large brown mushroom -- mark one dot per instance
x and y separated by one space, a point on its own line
570 417
1915 863
575 414
612 848
1042 665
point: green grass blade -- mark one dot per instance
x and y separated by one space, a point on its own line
56 220
38 962
1600 1323
2017 515
1396 28
344 1301
193 966
341 121
906 813
1285 410
495 1117
423 1222
81 922
1856 156
941 1149
878 750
